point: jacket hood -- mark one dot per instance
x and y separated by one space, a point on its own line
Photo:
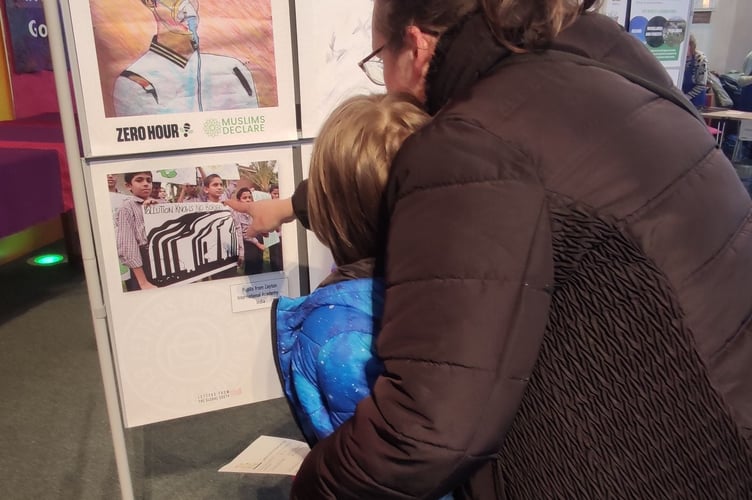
292 312
469 51
463 54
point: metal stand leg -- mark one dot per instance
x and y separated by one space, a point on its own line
83 220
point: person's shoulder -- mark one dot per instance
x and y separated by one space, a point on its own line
343 291
334 308
128 206
132 201
457 148
141 63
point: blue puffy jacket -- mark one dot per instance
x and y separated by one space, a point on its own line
325 353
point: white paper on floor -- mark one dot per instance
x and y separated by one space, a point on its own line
269 455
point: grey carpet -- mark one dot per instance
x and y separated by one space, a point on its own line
55 438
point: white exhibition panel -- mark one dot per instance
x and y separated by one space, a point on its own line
320 260
200 344
333 35
616 10
237 38
663 26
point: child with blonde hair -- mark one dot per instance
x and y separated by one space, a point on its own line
324 343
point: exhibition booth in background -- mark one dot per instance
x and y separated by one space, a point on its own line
31 147
86 99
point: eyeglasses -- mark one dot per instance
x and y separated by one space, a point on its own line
373 66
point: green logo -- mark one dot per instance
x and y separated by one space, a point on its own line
168 174
213 127
235 125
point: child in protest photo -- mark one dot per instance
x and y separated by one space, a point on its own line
130 228
324 343
253 250
275 251
189 194
215 192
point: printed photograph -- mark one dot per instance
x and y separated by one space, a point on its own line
177 56
172 228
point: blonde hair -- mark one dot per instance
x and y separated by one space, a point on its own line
350 165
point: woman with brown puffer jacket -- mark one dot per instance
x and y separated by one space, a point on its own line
585 333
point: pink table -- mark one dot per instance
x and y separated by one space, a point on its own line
44 133
30 191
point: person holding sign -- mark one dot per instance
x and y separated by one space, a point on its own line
275 251
188 194
214 190
131 230
253 250
586 330
116 201
174 76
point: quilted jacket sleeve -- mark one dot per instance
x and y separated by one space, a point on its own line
463 321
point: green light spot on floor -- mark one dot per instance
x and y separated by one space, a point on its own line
49 259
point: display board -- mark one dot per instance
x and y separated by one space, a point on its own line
166 76
616 10
320 260
663 26
195 335
333 35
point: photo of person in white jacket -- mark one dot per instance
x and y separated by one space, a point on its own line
174 76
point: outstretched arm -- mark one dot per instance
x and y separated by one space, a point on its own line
268 215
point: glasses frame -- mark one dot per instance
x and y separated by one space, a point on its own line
362 63
369 58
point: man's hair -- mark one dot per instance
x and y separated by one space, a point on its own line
130 175
350 165
209 178
520 25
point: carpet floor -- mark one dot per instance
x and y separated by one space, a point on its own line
54 432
